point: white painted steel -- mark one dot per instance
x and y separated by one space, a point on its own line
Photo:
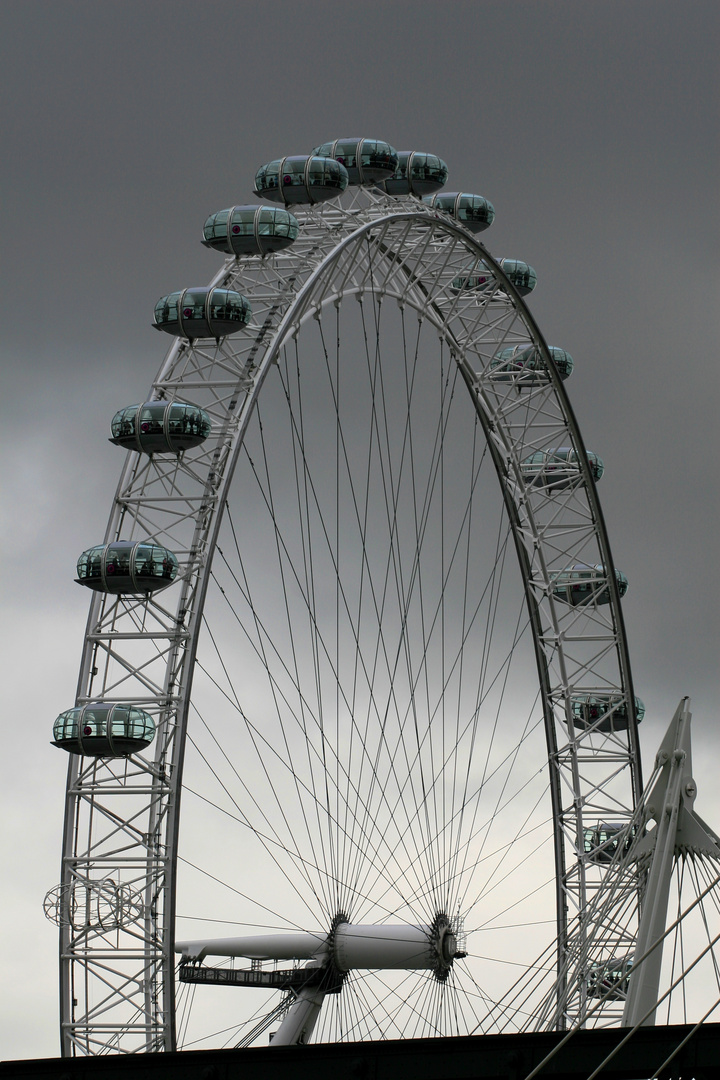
260 947
299 1022
385 947
124 820
678 831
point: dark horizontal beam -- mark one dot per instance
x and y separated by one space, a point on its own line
479 1057
289 979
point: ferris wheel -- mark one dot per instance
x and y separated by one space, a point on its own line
356 604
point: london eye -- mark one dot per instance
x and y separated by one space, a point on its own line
356 738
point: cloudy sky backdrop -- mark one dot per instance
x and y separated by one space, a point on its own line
593 129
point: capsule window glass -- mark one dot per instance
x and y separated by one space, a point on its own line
445 202
429 167
367 161
473 210
104 729
373 153
302 180
586 584
126 566
293 171
279 223
479 280
216 226
159 427
346 153
268 176
66 725
193 305
401 171
604 712
227 306
131 723
151 420
117 561
525 364
89 565
319 174
123 423
267 224
166 309
187 420
522 276
243 222
152 561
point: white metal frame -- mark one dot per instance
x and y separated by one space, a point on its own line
122 815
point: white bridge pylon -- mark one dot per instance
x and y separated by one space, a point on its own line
346 948
679 831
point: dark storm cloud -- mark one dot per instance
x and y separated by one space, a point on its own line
591 127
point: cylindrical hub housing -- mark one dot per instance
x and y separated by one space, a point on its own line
383 946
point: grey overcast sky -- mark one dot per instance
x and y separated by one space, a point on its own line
592 126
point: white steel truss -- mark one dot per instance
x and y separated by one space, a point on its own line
122 815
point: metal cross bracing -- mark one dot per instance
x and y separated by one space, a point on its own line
122 815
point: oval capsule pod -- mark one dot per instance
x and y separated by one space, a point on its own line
104 729
202 313
524 365
302 179
608 979
250 230
127 566
520 274
417 173
472 211
602 842
480 279
367 161
603 712
559 469
582 584
160 427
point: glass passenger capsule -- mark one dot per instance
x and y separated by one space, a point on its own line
523 364
302 179
472 211
202 313
160 427
417 173
250 230
127 566
608 979
479 280
104 729
556 470
583 584
603 712
367 161
520 274
601 843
